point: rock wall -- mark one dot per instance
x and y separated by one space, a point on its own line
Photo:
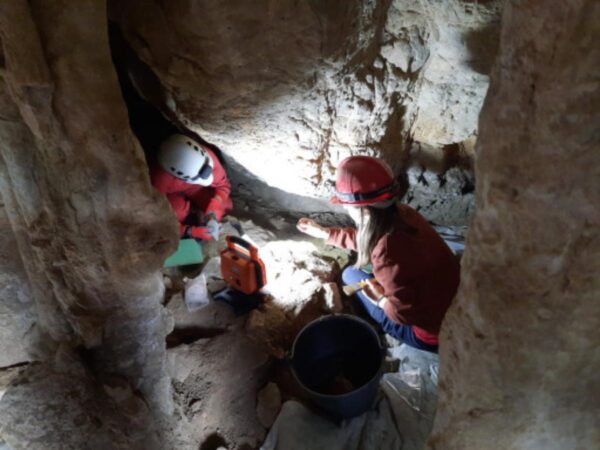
64 408
17 315
91 231
289 88
519 355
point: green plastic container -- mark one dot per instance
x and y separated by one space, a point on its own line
188 252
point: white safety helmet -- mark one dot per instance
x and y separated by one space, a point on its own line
186 159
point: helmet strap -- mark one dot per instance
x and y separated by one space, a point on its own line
359 196
205 171
384 204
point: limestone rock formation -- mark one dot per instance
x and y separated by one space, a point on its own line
519 355
91 231
65 408
17 315
219 361
268 404
287 89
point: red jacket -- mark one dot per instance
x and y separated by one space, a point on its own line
185 197
418 273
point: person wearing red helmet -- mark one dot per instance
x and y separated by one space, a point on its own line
195 183
414 275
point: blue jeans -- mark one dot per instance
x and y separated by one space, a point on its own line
403 333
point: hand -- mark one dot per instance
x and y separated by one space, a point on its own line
373 291
209 228
214 228
205 218
311 228
204 233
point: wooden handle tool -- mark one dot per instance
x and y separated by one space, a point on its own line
351 289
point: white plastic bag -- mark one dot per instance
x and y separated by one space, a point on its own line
196 293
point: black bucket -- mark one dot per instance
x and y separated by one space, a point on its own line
338 361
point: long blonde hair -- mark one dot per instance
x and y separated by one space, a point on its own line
373 226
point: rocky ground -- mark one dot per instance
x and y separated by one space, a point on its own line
230 374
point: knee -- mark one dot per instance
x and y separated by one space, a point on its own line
350 275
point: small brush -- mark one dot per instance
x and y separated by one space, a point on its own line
351 289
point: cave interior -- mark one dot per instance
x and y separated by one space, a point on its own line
487 115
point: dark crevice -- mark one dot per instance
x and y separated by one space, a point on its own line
213 442
421 178
455 156
441 180
147 122
468 188
15 366
482 44
189 335
150 118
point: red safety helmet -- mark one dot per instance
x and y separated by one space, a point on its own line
364 180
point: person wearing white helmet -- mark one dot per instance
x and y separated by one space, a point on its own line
195 183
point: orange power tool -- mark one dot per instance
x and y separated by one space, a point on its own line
241 267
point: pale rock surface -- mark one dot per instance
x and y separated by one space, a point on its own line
7 375
91 231
519 354
269 404
220 362
212 272
218 370
333 298
216 378
17 314
288 89
453 199
258 235
215 316
66 409
299 283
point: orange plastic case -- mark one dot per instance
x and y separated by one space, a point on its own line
241 267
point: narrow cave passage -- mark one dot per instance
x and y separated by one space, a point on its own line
149 116
304 283
279 342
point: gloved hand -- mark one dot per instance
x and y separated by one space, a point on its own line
212 224
207 217
205 233
214 228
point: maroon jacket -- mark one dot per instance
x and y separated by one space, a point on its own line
418 273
